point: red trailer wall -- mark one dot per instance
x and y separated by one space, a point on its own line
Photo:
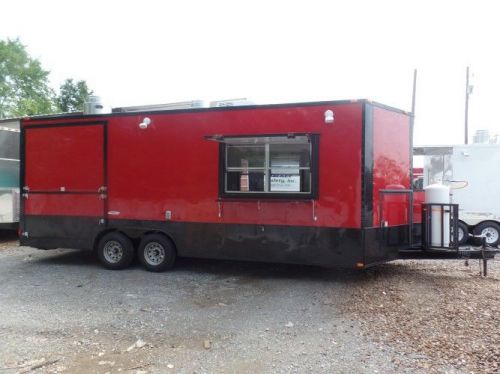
391 165
418 200
171 166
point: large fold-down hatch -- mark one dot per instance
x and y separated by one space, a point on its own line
288 138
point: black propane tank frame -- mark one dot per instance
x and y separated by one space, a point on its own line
427 220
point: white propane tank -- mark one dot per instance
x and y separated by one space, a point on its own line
439 194
94 105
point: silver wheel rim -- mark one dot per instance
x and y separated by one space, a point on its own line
460 234
113 251
154 253
491 234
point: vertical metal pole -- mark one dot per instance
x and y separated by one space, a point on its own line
467 91
414 94
442 224
485 261
412 123
428 226
410 220
267 175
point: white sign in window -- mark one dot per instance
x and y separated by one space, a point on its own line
285 174
285 182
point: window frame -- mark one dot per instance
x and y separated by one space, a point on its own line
313 168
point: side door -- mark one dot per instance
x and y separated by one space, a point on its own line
63 184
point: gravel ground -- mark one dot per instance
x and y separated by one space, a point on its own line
441 310
61 312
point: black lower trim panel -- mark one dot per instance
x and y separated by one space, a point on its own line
322 246
330 247
9 226
49 232
384 244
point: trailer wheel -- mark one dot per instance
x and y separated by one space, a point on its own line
463 233
490 230
156 252
115 251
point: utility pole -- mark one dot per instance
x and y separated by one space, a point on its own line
412 122
414 94
467 93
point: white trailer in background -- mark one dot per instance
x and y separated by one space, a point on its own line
9 174
473 173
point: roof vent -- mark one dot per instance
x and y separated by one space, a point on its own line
231 102
94 105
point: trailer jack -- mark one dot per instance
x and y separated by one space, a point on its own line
486 254
483 254
485 267
485 259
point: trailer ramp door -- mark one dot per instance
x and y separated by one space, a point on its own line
64 183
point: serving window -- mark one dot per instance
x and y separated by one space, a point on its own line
270 166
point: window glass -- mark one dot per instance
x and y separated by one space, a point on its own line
270 164
241 181
249 156
290 155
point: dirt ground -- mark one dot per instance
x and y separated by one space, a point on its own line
60 311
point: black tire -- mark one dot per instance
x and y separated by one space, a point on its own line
491 230
156 252
115 251
463 233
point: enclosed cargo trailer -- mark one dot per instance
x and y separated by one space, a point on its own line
9 174
324 183
472 172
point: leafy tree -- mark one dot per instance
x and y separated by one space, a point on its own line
72 95
24 88
24 85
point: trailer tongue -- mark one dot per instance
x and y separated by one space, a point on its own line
482 252
440 231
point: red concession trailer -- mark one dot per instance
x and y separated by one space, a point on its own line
324 183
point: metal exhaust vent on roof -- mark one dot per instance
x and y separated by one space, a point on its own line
94 105
193 104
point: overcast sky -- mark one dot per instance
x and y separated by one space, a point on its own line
147 52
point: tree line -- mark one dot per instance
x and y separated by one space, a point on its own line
25 89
